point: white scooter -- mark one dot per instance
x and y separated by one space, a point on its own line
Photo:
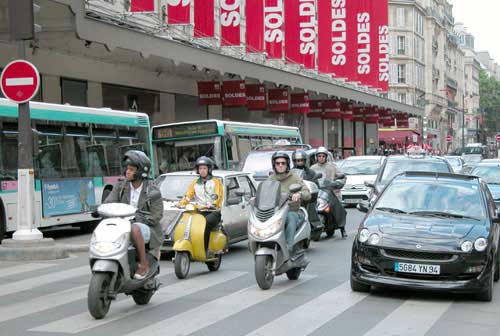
266 235
114 262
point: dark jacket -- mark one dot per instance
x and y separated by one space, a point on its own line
150 207
286 180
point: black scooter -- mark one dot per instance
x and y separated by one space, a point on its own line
330 211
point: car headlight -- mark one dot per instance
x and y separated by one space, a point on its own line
266 231
466 246
363 236
480 244
374 239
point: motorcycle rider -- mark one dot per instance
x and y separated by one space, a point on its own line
330 172
139 192
206 191
281 166
299 158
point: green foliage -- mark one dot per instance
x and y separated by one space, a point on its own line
489 91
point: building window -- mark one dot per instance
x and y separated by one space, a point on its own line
130 99
401 45
73 92
419 24
401 17
402 98
401 73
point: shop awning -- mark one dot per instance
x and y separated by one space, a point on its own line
397 135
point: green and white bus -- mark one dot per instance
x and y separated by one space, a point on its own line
178 145
77 155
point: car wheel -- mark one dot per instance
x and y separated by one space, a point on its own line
357 286
487 294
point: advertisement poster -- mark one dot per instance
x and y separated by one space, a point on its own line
65 197
254 33
273 28
230 23
179 11
204 26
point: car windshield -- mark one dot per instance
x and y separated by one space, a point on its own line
473 150
395 167
360 167
491 174
453 161
433 198
174 186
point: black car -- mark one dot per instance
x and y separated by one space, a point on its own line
429 231
398 164
489 171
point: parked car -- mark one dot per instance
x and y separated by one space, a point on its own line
456 162
234 210
429 231
358 170
398 164
490 173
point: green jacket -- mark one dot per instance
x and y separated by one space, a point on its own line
286 180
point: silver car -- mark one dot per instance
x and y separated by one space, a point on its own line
358 170
234 212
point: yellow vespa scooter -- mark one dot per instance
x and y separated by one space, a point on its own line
189 242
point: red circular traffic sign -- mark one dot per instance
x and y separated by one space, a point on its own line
498 137
449 138
20 81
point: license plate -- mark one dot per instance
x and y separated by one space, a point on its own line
416 268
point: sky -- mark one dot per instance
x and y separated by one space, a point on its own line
482 20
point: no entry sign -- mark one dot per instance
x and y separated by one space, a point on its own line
20 81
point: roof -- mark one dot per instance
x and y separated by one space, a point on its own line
217 173
364 157
420 157
224 122
436 175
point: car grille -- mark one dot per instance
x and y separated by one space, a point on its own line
418 255
442 277
264 215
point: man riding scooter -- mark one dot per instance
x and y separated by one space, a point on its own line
299 158
206 191
330 172
281 167
136 190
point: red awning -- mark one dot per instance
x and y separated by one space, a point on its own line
396 135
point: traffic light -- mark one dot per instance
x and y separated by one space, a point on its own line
22 24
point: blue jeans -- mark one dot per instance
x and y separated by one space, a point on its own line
293 219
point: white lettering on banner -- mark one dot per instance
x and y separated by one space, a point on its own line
234 95
232 16
209 95
307 27
278 101
339 32
183 3
364 43
383 51
256 98
273 21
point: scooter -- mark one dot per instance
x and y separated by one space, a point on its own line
189 242
266 235
114 261
325 204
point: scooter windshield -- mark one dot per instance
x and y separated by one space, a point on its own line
268 195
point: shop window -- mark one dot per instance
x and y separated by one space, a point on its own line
73 92
130 99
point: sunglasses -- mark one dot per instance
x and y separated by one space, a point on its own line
280 163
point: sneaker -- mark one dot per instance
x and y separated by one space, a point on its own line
141 275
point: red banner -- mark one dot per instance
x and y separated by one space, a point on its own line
381 35
234 93
278 100
366 73
254 13
315 109
209 93
299 103
138 6
256 97
273 28
300 32
292 31
371 115
347 112
385 119
179 11
230 23
332 109
358 114
204 19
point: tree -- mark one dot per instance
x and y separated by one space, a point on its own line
489 102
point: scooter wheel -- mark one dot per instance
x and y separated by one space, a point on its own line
142 297
214 265
263 271
98 301
293 274
182 264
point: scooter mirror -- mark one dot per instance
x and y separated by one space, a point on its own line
295 188
340 176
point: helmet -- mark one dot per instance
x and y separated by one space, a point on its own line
282 155
140 160
204 161
321 150
299 154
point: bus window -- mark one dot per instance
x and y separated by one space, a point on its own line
244 147
8 151
74 151
49 152
97 164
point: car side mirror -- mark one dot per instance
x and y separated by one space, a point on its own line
363 206
370 184
233 200
295 188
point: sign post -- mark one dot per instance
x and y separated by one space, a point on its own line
20 81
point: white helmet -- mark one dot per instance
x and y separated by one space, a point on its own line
322 150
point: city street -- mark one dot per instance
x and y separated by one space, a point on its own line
49 298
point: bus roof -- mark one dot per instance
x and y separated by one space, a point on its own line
226 122
58 112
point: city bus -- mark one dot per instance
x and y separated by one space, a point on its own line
77 158
178 145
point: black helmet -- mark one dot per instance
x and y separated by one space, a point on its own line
282 155
299 154
204 161
140 160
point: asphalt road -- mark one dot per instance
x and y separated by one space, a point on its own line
49 298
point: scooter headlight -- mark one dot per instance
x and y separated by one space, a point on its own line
107 247
267 231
